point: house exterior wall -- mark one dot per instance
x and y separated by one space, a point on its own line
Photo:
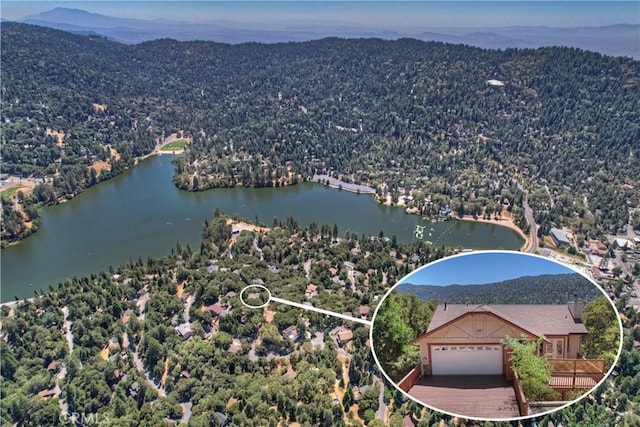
475 328
573 348
485 328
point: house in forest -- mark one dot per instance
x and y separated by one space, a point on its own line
184 331
465 339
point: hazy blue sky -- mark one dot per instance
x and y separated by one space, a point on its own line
484 267
382 14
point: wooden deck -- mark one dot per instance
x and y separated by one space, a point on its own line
481 396
572 382
576 374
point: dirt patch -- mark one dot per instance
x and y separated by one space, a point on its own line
240 226
126 316
269 315
354 411
165 372
59 135
27 188
345 369
100 166
104 353
232 401
389 202
114 153
27 224
549 243
99 107
180 290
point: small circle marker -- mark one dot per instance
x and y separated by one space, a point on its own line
262 288
306 306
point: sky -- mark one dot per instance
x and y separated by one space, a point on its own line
379 14
483 267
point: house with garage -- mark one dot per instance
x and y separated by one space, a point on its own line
465 339
465 368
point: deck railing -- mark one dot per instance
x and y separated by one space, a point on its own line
410 379
576 374
523 406
577 366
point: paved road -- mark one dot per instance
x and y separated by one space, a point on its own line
528 214
186 412
187 308
336 183
318 340
140 366
66 325
533 227
383 409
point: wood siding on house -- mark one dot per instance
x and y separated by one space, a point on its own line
471 329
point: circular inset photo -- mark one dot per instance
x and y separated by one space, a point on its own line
496 335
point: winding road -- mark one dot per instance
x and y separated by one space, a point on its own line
533 227
528 214
383 409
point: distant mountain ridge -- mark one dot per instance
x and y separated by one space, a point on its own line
208 88
543 289
616 40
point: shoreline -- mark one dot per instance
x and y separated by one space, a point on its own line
502 222
30 183
14 303
159 149
239 224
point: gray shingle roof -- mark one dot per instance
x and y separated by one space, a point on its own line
539 319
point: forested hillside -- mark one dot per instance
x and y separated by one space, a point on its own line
108 346
407 117
543 289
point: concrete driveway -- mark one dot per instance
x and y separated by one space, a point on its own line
482 396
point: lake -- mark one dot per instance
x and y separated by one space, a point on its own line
141 213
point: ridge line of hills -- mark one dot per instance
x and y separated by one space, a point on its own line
543 289
617 40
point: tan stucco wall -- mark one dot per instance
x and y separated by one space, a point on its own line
476 328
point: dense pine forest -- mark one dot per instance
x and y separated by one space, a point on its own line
443 124
165 340
106 346
84 344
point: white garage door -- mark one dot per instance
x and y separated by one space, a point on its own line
466 360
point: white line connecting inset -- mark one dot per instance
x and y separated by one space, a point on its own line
320 310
